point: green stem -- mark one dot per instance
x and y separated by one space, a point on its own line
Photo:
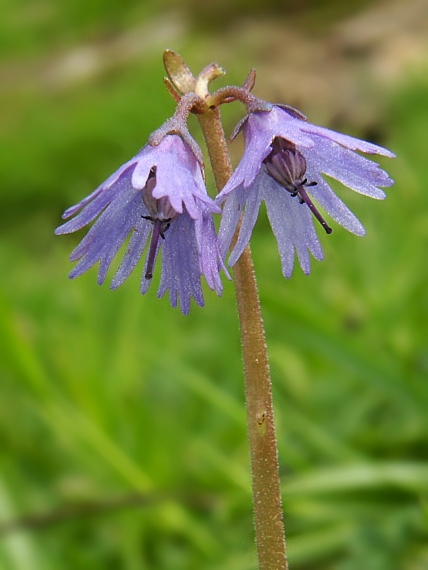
268 517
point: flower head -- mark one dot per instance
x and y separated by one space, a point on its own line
159 196
283 164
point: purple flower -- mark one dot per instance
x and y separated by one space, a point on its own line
283 164
159 197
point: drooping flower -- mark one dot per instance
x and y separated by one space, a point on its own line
284 164
159 196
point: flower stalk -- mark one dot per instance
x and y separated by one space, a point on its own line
268 517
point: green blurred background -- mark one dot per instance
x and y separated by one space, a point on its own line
122 423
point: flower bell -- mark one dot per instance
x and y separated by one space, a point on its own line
159 197
284 164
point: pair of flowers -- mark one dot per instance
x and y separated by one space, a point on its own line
160 198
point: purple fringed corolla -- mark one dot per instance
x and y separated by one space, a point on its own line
283 164
159 196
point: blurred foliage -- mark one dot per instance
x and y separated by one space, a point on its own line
42 25
105 395
223 14
52 176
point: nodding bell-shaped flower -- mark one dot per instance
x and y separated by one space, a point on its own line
284 164
159 198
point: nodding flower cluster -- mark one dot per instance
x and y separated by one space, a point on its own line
159 199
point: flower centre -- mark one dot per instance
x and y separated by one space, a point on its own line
161 214
287 166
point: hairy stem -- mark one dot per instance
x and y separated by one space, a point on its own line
268 518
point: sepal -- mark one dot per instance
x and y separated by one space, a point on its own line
178 72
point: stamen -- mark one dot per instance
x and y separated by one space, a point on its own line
167 224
